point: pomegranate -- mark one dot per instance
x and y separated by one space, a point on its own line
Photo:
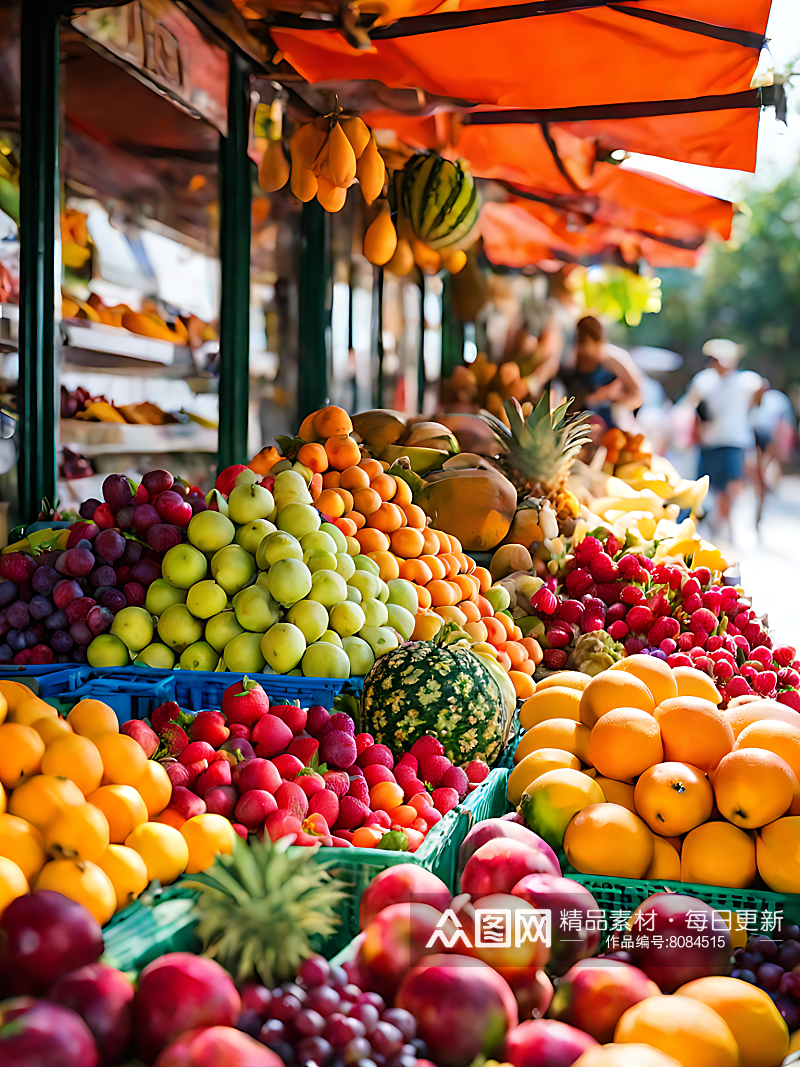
35 1033
396 939
533 990
569 904
539 1041
497 866
179 992
594 994
463 1008
402 884
102 997
509 826
665 916
217 1046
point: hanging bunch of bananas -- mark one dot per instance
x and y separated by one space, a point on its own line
327 155
435 205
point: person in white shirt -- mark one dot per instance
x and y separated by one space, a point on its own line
722 395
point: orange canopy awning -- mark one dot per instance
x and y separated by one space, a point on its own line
547 54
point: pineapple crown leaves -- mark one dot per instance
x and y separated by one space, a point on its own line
260 908
543 434
313 767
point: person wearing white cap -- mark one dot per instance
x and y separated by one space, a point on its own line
722 396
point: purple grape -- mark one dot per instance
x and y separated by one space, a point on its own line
5 625
309 1023
61 641
26 592
18 615
341 1030
110 544
746 975
156 482
105 575
88 508
765 945
367 1014
114 600
161 537
249 1022
78 655
338 978
386 1040
769 976
144 517
789 1009
31 638
314 971
134 593
10 592
272 1031
80 633
117 491
6 653
420 1048
750 961
57 621
125 516
284 1008
403 1020
99 620
40 607
77 610
375 999
80 561
294 990
16 639
323 999
789 954
145 571
198 504
791 932
314 1050
368 1062
61 565
44 580
351 992
132 554
356 1050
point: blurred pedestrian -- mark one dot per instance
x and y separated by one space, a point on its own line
601 376
775 427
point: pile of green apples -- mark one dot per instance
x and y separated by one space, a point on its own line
264 584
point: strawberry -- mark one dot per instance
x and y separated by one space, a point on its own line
309 781
294 717
340 720
270 736
218 773
326 803
319 720
455 778
244 702
282 823
165 713
187 803
376 754
427 746
337 781
364 741
378 773
407 760
402 773
173 740
209 726
359 789
444 800
196 769
352 813
287 766
476 771
304 748
195 751
411 787
338 749
240 730
291 798
433 768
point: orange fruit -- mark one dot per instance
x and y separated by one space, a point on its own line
693 731
407 543
12 693
533 766
469 588
415 570
754 1021
625 1056
552 703
778 855
315 486
77 832
387 563
608 839
611 690
744 715
354 478
170 817
556 733
314 457
49 729
83 882
426 626
717 853
13 883
28 711
673 798
682 1027
372 540
89 718
385 795
524 685
348 524
371 466
503 660
42 797
366 501
403 815
123 758
753 787
624 743
154 787
666 863
207 836
367 837
694 683
655 673
331 421
515 652
437 568
163 849
563 679
342 451
385 486
126 871
773 736
618 793
3 800
77 758
21 751
123 808
22 843
330 503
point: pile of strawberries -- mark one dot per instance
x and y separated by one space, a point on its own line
282 769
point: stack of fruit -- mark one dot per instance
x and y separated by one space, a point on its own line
639 774
773 966
79 802
281 769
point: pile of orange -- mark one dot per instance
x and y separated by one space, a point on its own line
79 808
375 508
690 792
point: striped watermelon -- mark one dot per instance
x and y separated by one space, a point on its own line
440 199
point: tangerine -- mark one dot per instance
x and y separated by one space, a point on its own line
443 595
773 736
387 518
404 496
372 540
330 503
385 795
718 854
555 702
753 787
655 673
384 485
206 837
624 743
83 882
123 808
751 1014
611 690
42 797
89 718
618 793
124 760
608 839
22 843
666 863
694 731
126 871
13 883
314 457
682 1027
49 729
778 855
78 832
21 751
744 715
366 501
563 679
348 524
694 683
673 798
331 480
354 478
556 733
163 849
154 787
342 451
472 614
331 421
77 758
531 767
407 543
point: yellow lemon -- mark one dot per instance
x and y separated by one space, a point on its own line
206 836
42 797
83 882
163 849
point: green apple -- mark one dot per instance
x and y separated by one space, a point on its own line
354 595
305 472
336 534
247 503
375 612
401 620
360 655
283 646
217 500
366 583
353 547
200 657
499 597
379 638
318 541
345 565
247 477
332 638
178 628
161 594
243 654
403 593
251 535
323 660
221 629
364 563
209 531
107 651
156 655
233 568
328 587
290 487
256 610
289 580
347 619
134 627
298 519
319 561
383 591
184 566
309 617
275 546
206 598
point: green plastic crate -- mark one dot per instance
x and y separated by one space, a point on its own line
143 932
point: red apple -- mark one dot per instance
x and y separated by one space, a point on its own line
102 996
36 1033
594 993
209 726
256 774
574 935
187 803
532 989
402 884
509 826
253 808
546 1041
666 915
141 733
217 1046
221 800
523 951
497 866
397 939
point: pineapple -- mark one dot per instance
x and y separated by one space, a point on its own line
261 906
539 449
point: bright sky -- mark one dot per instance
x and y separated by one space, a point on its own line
778 146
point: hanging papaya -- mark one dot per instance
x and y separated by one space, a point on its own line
304 146
455 261
340 161
380 240
357 133
331 197
371 171
427 259
273 170
402 262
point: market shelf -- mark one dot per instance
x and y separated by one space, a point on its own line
97 438
114 340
